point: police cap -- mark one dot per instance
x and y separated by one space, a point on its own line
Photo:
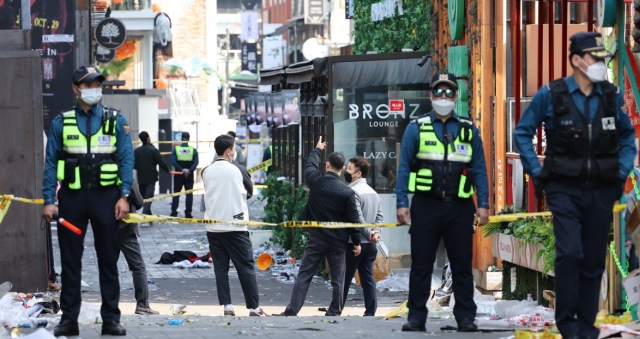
446 78
87 74
588 43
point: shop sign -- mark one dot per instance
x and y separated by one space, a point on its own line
396 106
385 9
382 112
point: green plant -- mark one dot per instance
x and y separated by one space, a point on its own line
526 282
409 30
535 231
284 203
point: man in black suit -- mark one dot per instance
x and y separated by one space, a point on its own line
330 199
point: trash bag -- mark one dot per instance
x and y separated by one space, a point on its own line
394 283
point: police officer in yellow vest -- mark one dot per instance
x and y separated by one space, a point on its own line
184 158
441 162
89 151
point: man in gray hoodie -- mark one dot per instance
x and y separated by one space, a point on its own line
371 208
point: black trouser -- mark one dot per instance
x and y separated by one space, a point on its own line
79 207
130 248
364 264
147 192
581 223
433 219
314 253
180 181
237 247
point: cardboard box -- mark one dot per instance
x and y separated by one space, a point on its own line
490 281
632 286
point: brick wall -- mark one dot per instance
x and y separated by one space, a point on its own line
189 33
188 22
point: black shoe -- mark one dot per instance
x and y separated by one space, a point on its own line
173 214
414 326
467 325
188 216
113 328
67 328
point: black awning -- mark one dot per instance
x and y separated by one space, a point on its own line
359 74
282 29
304 71
272 76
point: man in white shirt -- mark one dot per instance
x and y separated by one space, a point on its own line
225 198
371 208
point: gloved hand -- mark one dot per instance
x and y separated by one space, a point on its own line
540 185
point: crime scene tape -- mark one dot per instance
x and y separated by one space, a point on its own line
4 206
138 218
260 166
160 197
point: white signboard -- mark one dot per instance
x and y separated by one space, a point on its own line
273 48
249 24
314 12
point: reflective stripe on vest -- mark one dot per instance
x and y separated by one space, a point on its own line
184 153
76 146
74 142
431 148
433 156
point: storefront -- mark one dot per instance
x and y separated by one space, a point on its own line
361 106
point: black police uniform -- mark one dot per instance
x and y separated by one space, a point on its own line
590 151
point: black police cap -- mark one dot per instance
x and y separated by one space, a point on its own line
588 43
87 74
446 78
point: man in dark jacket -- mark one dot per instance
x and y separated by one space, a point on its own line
330 199
147 159
130 248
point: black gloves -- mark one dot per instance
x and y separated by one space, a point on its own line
540 185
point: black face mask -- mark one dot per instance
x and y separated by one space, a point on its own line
347 176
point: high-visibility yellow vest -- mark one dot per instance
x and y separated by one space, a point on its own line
184 153
88 163
443 169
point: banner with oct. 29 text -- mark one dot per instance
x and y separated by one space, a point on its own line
52 33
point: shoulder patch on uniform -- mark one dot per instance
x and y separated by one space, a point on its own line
126 128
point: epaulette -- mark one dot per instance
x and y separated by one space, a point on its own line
61 115
421 118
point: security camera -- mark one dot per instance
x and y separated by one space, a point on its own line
424 60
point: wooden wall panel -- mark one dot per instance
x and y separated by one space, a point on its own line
22 235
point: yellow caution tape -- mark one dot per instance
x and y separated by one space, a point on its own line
160 197
331 224
26 200
4 206
259 166
137 218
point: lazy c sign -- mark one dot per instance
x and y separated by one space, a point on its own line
396 106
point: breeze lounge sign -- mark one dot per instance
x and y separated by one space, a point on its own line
385 9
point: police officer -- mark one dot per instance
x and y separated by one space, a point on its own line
441 161
184 158
590 152
89 151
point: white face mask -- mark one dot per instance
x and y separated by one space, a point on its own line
442 107
596 72
91 96
235 155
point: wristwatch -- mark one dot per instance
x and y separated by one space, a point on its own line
124 196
